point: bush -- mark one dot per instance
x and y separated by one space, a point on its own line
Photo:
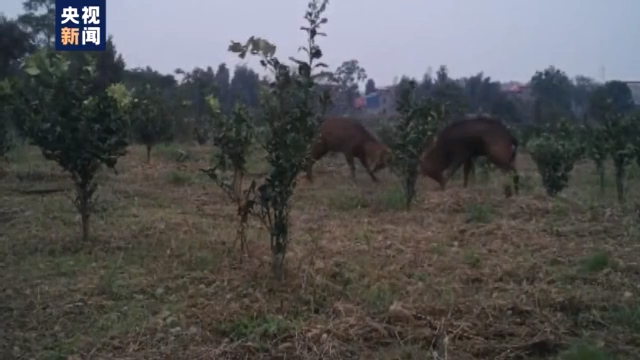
555 153
290 127
616 137
232 137
410 135
597 149
151 119
622 134
73 125
6 140
612 105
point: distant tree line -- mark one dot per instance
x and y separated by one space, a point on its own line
550 94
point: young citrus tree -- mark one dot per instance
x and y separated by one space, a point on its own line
151 118
416 126
79 132
232 137
6 140
597 150
612 106
555 152
621 132
290 127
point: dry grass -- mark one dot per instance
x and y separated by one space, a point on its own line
466 274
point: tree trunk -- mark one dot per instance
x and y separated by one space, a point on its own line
619 163
620 182
409 191
84 191
237 184
279 240
84 216
277 266
148 154
600 168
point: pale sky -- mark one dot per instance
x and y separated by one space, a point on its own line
507 39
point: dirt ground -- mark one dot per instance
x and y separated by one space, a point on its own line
465 274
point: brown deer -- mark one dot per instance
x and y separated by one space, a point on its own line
346 136
460 142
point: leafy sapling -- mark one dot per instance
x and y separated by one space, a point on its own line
79 132
6 140
555 153
417 125
151 119
612 106
291 125
232 136
621 132
596 149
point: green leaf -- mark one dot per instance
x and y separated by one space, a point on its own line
213 103
5 87
32 70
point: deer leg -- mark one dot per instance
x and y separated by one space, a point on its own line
455 166
352 166
439 178
364 163
508 167
317 152
468 168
